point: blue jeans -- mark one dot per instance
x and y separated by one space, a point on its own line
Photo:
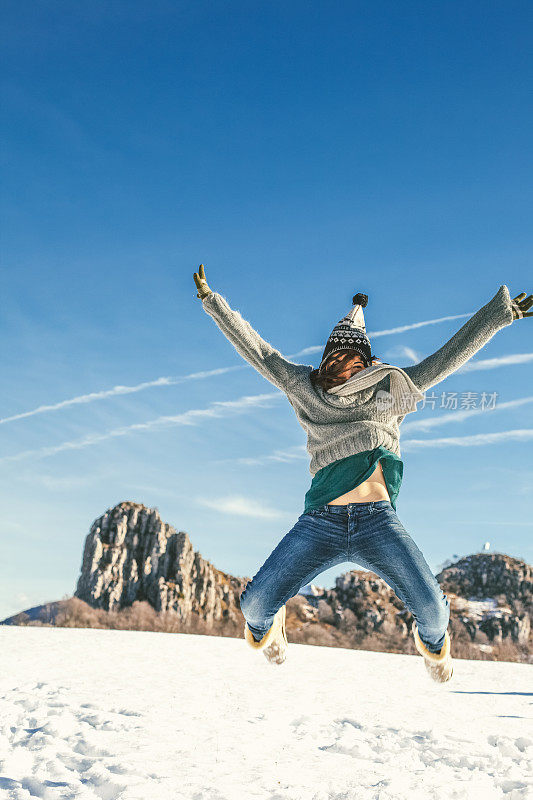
369 534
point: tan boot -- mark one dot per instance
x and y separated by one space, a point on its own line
439 665
274 642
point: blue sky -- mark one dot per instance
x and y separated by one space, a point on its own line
302 152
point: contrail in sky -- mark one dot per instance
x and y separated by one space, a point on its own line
115 391
217 409
172 381
89 398
476 439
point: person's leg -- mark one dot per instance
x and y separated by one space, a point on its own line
379 542
316 542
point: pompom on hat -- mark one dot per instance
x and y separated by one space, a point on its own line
350 333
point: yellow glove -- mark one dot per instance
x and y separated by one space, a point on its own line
520 305
201 283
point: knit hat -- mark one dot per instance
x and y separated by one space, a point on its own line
350 333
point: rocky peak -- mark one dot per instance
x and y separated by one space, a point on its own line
507 580
131 554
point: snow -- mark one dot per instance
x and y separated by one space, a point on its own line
130 715
311 590
480 608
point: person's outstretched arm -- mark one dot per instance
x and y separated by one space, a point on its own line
248 343
496 314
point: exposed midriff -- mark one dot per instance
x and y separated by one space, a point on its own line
370 475
374 488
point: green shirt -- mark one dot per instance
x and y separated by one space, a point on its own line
345 474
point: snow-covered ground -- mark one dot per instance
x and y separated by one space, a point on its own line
154 716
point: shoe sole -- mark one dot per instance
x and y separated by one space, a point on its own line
276 653
436 669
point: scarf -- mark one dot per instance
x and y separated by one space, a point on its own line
403 396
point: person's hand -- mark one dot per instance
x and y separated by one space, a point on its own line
520 305
201 283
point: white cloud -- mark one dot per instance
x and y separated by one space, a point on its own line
238 505
504 523
459 416
476 440
296 453
499 361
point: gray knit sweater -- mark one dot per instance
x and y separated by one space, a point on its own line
337 426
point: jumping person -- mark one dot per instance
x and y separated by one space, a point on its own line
351 408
